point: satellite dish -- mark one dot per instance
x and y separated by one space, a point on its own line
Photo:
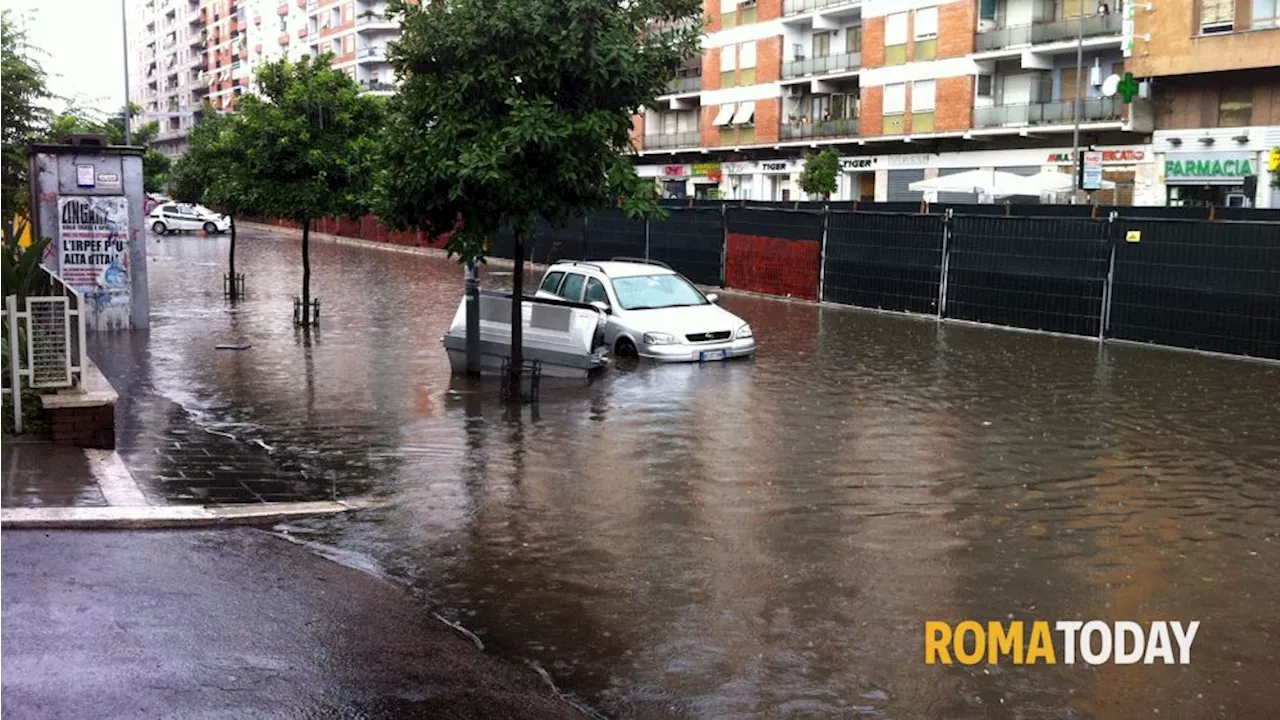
1111 85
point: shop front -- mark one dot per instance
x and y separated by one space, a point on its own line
706 180
675 182
1211 179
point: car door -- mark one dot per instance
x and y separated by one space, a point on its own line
595 291
550 285
571 288
187 218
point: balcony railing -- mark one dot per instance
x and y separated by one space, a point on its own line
664 141
840 127
1048 32
373 19
796 7
372 53
1061 112
822 65
685 84
377 86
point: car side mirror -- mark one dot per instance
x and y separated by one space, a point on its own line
602 307
713 298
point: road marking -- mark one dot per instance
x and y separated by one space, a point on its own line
169 516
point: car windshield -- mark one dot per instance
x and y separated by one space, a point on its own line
648 292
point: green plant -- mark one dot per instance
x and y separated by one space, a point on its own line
819 174
35 419
20 268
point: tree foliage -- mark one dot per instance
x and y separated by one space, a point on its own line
214 170
79 121
820 171
514 110
24 117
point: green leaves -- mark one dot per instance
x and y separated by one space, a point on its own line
820 172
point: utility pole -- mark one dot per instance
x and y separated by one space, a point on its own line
1079 103
128 108
472 289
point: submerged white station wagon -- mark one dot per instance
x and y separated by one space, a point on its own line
653 311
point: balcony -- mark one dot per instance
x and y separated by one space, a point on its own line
799 7
1062 112
370 21
840 127
666 141
1049 32
822 65
371 54
198 17
378 86
685 85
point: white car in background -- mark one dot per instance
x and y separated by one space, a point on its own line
175 217
653 311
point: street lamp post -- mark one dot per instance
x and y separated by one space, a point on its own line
128 110
1079 102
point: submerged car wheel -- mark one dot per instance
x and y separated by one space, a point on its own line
625 355
157 227
210 229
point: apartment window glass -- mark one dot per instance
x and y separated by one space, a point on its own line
821 44
895 29
1235 107
1217 15
926 23
335 17
1266 14
895 99
728 58
923 95
984 86
853 39
747 54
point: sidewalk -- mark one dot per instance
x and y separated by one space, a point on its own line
47 486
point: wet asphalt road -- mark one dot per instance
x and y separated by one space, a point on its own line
753 539
231 624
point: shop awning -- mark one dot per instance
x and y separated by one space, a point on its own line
724 115
746 111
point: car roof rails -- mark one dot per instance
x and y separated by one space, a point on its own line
642 261
583 263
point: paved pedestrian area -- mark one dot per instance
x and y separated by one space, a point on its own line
38 474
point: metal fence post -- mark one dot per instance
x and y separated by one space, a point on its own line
945 264
822 253
724 242
15 378
647 222
1104 318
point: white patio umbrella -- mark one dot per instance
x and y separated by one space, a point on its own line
984 183
1052 181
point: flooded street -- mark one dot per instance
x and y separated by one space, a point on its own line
763 538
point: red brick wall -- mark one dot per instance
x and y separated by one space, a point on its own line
873 42
711 69
710 133
768 119
954 104
957 24
768 10
93 427
711 8
637 131
768 59
871 120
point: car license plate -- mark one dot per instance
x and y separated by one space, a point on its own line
708 355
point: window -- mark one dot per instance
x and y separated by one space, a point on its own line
926 23
746 113
821 44
1217 16
895 99
335 17
728 6
648 292
747 54
1266 14
337 47
923 95
984 86
1235 107
853 39
572 289
551 282
728 58
895 29
595 292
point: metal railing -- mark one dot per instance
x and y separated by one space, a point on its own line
796 7
685 84
378 86
662 141
822 65
1048 32
840 127
1061 112
377 53
53 328
374 19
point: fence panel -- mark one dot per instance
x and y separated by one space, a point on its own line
890 262
1203 285
1036 273
612 234
778 252
691 242
551 243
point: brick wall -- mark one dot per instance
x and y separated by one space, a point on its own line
92 427
710 133
954 103
769 59
871 120
957 25
768 118
768 10
873 42
711 9
637 131
711 69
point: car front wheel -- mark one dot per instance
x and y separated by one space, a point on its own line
210 229
158 227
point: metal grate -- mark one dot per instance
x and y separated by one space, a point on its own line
49 342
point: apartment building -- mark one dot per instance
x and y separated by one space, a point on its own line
187 56
904 90
1215 75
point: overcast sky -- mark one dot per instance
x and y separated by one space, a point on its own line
83 45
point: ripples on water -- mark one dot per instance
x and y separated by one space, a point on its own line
767 538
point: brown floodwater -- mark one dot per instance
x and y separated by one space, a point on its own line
763 538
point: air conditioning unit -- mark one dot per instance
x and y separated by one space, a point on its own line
746 3
795 91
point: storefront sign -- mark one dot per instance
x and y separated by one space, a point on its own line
1109 157
1091 171
710 171
674 171
856 164
775 166
93 243
1190 168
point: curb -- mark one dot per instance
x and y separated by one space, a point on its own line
136 517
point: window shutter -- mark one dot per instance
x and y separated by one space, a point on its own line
1217 14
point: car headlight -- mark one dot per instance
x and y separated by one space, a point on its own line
659 339
744 332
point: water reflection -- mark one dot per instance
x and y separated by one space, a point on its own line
767 538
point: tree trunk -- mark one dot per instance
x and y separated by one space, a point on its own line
231 260
306 273
515 368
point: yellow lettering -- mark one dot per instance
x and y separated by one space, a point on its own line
1041 644
937 636
963 654
1004 642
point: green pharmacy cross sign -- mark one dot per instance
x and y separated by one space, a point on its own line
1128 88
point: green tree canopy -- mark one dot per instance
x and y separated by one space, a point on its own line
24 118
819 174
80 121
